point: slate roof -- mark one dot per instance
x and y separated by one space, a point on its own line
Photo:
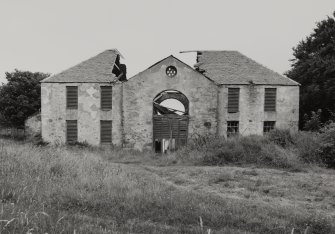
232 67
97 69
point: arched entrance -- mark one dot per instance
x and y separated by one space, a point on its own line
170 121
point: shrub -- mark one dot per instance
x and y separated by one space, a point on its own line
280 137
307 146
313 122
207 141
327 148
257 150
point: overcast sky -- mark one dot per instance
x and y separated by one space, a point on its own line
51 36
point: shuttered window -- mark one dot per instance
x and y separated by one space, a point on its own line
270 99
71 131
233 99
71 97
106 97
106 131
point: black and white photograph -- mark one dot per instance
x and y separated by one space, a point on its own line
167 116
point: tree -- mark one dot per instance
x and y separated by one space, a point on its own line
314 68
20 97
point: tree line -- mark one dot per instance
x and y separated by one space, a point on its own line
313 67
20 97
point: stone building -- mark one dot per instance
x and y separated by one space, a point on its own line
226 93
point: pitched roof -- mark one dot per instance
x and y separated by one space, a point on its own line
232 67
97 69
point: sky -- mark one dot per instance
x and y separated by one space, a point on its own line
51 36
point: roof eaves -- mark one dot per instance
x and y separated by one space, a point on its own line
259 84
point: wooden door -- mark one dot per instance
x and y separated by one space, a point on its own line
171 128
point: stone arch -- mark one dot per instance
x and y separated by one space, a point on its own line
170 126
170 94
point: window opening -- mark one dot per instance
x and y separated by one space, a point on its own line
106 97
268 126
106 131
270 99
71 131
72 97
232 128
233 100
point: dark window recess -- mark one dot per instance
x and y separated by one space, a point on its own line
71 97
232 128
270 99
71 131
106 131
268 126
106 97
233 99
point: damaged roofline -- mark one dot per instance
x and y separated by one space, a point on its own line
117 52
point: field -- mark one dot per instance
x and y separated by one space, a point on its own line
45 189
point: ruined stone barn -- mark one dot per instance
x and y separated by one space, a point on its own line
162 107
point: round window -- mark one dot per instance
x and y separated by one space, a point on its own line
171 71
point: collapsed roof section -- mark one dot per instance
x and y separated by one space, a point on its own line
102 68
232 67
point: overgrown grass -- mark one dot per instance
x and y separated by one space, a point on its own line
277 149
252 150
62 189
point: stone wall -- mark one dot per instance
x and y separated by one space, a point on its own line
140 90
251 113
132 111
54 112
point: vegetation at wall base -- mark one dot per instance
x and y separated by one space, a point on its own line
102 190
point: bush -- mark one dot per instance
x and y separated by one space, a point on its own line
280 137
207 141
327 148
313 122
257 150
307 145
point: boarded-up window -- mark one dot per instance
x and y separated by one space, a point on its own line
268 126
106 97
232 128
270 99
233 99
106 131
71 97
71 131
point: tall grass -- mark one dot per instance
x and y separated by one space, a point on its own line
251 150
62 190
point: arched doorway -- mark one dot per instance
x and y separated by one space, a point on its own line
170 121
